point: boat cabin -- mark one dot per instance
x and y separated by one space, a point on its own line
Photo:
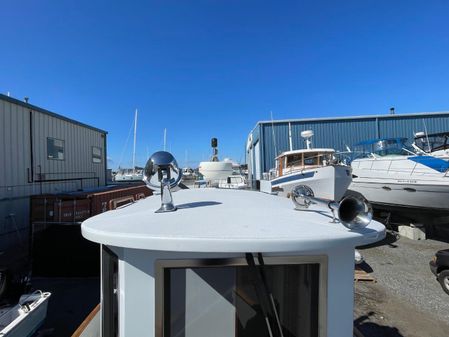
382 147
291 161
434 142
226 263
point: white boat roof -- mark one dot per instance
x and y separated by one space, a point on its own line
322 150
216 220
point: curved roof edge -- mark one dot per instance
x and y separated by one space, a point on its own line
44 111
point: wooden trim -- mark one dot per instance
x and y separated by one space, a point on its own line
86 321
357 333
117 202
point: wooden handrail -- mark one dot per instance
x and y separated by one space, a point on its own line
86 321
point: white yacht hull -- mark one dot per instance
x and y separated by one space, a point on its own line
327 182
429 196
402 183
215 170
128 177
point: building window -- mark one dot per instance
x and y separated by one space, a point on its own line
109 305
96 154
55 149
275 297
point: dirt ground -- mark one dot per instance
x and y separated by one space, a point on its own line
379 314
405 300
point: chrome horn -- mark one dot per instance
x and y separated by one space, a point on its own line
162 172
352 212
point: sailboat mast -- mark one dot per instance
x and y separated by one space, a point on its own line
134 146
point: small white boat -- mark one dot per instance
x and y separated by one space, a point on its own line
129 175
316 168
235 181
188 173
24 318
389 174
215 170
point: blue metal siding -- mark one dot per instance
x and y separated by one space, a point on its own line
406 127
340 133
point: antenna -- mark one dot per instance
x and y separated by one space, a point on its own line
165 139
214 145
307 134
134 146
427 136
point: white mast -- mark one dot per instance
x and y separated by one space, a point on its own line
134 146
165 139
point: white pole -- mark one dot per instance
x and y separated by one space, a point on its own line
165 139
134 146
290 136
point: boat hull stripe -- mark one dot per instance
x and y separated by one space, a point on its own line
436 164
299 176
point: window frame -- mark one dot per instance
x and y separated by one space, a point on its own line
162 265
109 322
94 157
63 149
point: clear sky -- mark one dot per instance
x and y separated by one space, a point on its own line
214 68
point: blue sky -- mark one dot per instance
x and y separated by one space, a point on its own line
214 68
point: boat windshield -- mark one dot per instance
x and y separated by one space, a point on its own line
431 143
309 159
383 147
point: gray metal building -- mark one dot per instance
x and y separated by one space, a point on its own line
269 138
41 152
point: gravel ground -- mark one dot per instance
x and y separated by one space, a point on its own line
406 300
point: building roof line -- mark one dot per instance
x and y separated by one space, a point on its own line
47 112
423 114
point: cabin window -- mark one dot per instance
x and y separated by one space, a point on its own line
109 305
294 160
310 159
96 155
233 298
55 149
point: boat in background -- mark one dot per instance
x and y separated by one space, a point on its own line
133 174
235 181
388 173
128 175
317 168
215 170
435 144
26 317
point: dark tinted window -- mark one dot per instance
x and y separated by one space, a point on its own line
109 306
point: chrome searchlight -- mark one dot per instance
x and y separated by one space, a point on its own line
162 172
353 212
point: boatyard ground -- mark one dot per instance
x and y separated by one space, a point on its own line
406 300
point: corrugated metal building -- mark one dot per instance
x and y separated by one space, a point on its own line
42 152
269 138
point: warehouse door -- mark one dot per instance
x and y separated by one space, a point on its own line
257 161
